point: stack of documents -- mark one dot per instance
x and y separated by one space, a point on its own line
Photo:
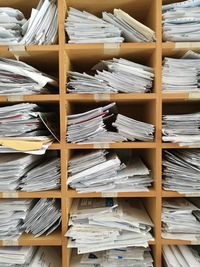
123 257
83 27
182 74
38 178
101 224
178 221
181 170
43 218
22 129
132 30
95 126
16 256
42 27
11 23
181 21
13 167
183 129
89 127
103 171
133 129
178 256
29 257
12 213
19 78
113 76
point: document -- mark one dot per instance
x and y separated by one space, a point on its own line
132 30
104 171
181 255
43 218
30 257
113 76
94 126
124 257
19 78
181 74
11 23
182 129
181 170
12 215
178 220
83 27
21 129
102 224
181 21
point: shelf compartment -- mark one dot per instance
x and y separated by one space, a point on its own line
143 10
84 58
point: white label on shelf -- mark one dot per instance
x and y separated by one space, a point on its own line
102 97
101 146
10 195
111 48
194 96
187 45
15 98
18 51
10 242
109 194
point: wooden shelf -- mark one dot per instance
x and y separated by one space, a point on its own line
73 194
113 145
110 97
30 98
53 239
123 46
55 146
178 242
42 194
179 97
176 194
171 145
33 48
180 45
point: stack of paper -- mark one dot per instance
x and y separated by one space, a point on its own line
181 21
101 171
83 27
132 30
29 257
181 170
101 224
123 257
21 129
11 23
95 126
16 256
113 76
13 167
38 178
133 129
183 129
43 218
187 256
89 127
12 214
178 219
182 74
19 78
42 27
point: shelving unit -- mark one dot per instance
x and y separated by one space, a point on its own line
58 59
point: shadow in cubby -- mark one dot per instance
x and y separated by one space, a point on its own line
85 59
144 10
